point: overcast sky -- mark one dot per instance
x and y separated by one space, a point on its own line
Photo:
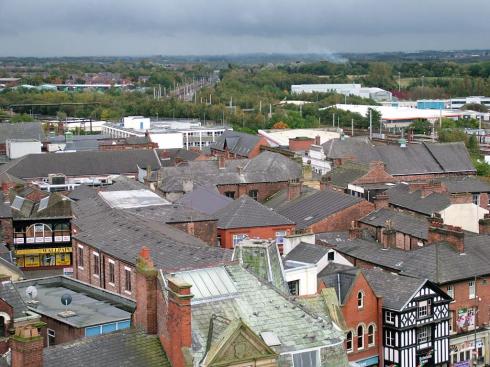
169 27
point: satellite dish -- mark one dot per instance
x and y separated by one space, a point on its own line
66 299
31 291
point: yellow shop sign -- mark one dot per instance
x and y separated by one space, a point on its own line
49 250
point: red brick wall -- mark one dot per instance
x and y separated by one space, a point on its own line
298 144
341 221
27 353
204 230
369 314
63 333
8 230
255 232
265 189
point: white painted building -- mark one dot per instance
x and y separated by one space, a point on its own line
459 102
374 93
280 137
17 148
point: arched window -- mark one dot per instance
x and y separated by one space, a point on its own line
348 342
360 337
2 326
371 335
39 230
360 299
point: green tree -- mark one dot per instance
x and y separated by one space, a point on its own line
421 126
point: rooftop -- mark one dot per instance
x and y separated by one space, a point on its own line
21 130
92 305
307 253
236 142
401 196
128 199
205 199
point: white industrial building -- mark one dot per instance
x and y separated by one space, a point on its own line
461 101
376 94
17 148
168 134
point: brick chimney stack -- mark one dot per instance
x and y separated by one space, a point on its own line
484 224
221 162
317 140
381 201
145 315
354 231
439 232
428 188
389 238
176 335
294 190
26 347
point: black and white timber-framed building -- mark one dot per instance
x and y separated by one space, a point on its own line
415 318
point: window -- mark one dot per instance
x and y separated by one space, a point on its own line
306 359
331 256
390 338
230 194
389 317
423 335
96 264
424 309
254 194
51 337
371 339
360 300
450 291
112 275
348 342
360 337
472 289
80 256
476 199
237 238
2 326
127 277
294 287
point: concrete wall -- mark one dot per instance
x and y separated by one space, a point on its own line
307 277
465 216
168 140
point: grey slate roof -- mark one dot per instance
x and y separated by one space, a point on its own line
246 212
21 130
314 208
307 253
10 295
80 142
263 308
395 289
236 142
119 349
205 199
280 198
81 163
400 196
52 206
348 172
341 278
266 167
122 234
401 222
415 159
461 184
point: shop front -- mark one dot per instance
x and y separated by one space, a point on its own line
45 257
463 351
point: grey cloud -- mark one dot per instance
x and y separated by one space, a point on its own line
124 27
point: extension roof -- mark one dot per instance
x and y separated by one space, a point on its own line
236 142
125 348
414 159
400 222
314 208
246 212
266 167
400 196
76 164
205 199
307 253
9 294
460 184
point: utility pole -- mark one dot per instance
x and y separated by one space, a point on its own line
333 120
370 124
399 81
260 106
352 127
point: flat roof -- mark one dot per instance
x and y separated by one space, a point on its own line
127 199
281 136
164 127
91 305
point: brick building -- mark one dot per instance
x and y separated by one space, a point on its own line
362 311
129 143
259 177
247 218
237 145
457 262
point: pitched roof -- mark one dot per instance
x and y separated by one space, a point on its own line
425 158
121 234
81 163
314 208
263 309
461 184
307 253
345 174
206 199
266 167
340 278
118 349
246 212
396 290
53 206
21 130
10 295
280 198
401 222
236 142
401 196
